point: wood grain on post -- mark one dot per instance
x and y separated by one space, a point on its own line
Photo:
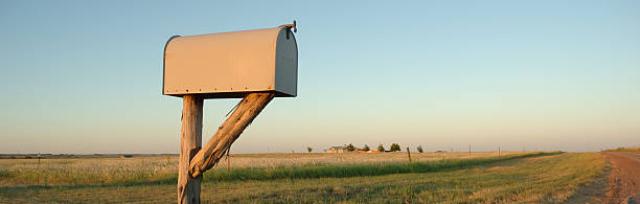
190 143
229 131
228 160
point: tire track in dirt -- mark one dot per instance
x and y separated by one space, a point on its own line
624 178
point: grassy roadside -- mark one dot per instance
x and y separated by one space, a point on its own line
544 179
149 171
355 170
625 149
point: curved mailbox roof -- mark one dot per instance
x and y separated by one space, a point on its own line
231 64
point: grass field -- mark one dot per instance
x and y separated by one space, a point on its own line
625 149
309 178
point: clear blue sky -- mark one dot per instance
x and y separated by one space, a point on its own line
85 76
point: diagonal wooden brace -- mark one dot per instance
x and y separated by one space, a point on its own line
228 132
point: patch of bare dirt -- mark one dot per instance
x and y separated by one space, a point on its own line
593 192
624 178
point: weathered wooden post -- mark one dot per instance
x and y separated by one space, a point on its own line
228 160
190 144
255 65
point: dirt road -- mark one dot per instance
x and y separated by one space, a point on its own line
624 179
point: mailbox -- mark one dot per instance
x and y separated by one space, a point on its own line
232 64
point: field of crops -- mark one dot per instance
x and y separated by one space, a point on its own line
308 178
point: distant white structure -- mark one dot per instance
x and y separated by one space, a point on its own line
336 149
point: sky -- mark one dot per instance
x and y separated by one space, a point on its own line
85 76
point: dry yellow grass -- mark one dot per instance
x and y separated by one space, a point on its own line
548 179
122 170
286 159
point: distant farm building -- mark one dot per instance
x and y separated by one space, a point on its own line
345 148
337 149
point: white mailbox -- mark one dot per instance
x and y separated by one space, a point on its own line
232 64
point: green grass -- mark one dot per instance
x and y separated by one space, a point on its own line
541 178
355 170
4 173
161 170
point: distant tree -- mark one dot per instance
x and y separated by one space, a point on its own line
309 149
395 147
351 148
365 148
380 148
419 148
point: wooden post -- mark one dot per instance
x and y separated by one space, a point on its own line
190 143
229 131
39 171
228 160
409 154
